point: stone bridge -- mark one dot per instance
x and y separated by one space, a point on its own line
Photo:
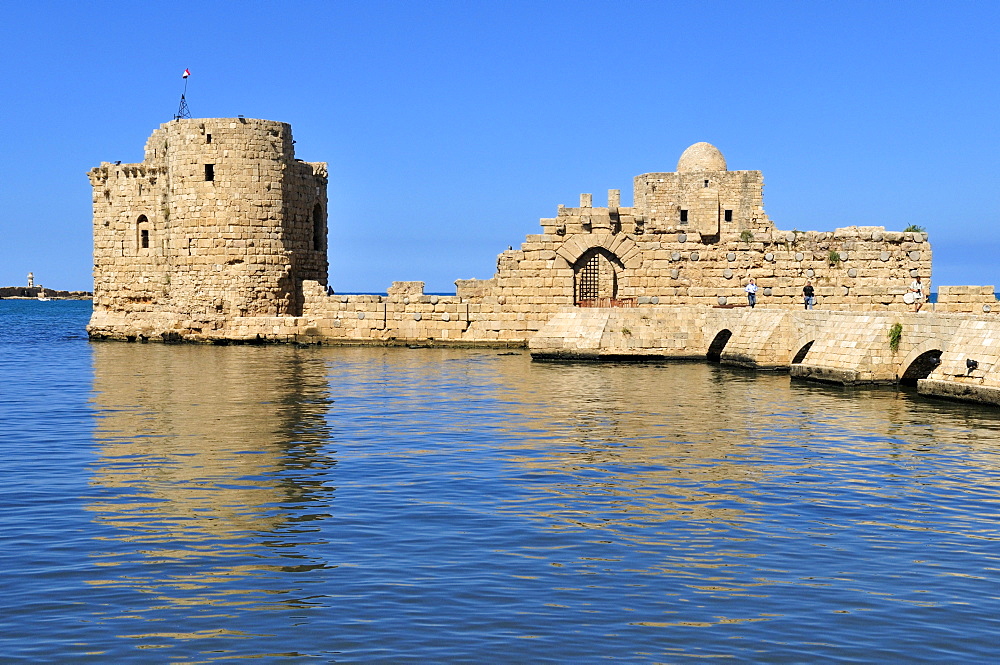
950 355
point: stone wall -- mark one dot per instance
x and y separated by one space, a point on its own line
970 367
407 316
850 268
970 299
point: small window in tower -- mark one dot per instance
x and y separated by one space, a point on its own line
208 138
706 183
319 228
209 172
729 215
142 232
684 216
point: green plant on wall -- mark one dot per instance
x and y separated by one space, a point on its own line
913 228
626 332
746 235
833 258
895 334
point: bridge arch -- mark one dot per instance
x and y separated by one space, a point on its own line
920 362
803 347
714 353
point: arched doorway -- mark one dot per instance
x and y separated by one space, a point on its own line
595 277
921 367
718 344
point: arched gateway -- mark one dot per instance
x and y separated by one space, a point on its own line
601 264
595 278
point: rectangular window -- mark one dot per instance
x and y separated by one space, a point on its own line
144 238
209 172
706 183
684 216
729 215
208 138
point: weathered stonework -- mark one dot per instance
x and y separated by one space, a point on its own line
220 235
696 236
971 299
218 221
947 355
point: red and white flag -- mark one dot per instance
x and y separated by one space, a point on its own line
187 73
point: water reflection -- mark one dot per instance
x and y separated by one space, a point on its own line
210 469
648 443
481 497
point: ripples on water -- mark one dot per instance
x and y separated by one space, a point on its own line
200 504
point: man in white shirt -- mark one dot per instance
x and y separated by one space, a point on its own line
752 293
917 289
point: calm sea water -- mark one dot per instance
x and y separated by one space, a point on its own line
210 504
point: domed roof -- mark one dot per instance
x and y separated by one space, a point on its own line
701 157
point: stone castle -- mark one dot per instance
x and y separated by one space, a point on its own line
221 228
220 235
219 221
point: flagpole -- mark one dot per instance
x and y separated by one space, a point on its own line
182 110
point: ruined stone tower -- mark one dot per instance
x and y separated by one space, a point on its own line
702 198
218 221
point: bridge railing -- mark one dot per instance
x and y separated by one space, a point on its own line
607 302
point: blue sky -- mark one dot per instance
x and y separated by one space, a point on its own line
452 127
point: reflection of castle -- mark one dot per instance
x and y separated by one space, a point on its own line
220 233
196 437
207 458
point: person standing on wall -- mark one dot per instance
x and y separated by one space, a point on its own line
752 293
917 289
808 295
